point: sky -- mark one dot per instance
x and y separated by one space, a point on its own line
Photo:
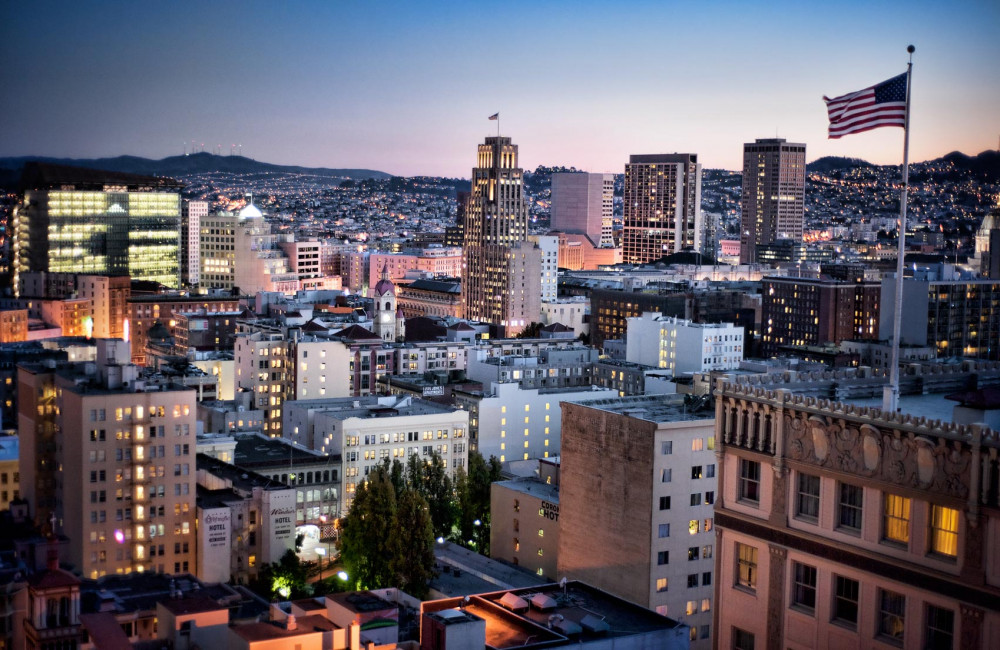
407 87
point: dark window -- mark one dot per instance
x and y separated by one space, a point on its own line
692 580
892 612
804 590
749 480
706 578
849 507
663 557
742 640
664 503
845 600
940 631
807 505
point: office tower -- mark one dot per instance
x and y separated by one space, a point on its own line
76 220
987 253
774 190
191 214
502 270
582 204
662 206
842 526
110 453
548 246
455 235
637 482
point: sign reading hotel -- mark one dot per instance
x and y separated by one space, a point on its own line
279 514
214 544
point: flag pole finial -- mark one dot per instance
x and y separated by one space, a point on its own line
911 49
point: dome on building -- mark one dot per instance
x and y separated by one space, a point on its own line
249 211
383 287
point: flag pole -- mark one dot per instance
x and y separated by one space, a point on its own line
890 395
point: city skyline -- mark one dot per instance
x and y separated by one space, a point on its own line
389 87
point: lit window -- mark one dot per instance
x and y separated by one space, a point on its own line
944 531
896 519
746 566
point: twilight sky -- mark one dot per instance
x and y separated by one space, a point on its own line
406 87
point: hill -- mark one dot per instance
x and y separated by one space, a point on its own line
192 164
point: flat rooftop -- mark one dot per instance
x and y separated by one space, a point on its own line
478 573
374 406
253 450
654 408
532 486
240 478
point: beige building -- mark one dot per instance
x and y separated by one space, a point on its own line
841 526
239 250
124 487
524 520
636 488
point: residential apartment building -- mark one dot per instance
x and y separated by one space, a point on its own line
662 206
562 366
681 346
774 190
191 215
583 204
842 526
120 481
637 481
240 251
146 310
816 311
75 220
610 310
366 431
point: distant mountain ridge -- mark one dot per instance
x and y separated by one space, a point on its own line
196 163
984 166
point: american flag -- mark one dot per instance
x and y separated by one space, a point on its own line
880 105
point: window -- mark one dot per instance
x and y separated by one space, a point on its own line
696 499
691 608
664 530
807 503
665 476
892 612
697 444
692 580
849 507
661 584
667 447
663 557
742 640
940 630
896 519
749 486
692 553
664 503
696 472
706 578
944 531
746 566
845 600
710 471
804 586
693 527
709 498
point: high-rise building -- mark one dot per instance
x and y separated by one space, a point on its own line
502 270
662 207
582 204
191 214
104 223
110 454
774 193
240 251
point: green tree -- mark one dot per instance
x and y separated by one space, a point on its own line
531 331
473 496
412 545
366 531
285 579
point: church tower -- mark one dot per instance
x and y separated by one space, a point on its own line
385 307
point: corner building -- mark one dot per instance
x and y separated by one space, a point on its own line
841 526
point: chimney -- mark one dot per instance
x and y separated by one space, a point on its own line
290 623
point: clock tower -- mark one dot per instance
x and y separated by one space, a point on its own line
385 308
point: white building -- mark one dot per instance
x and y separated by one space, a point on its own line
443 356
366 431
514 423
549 246
191 215
241 251
573 312
681 346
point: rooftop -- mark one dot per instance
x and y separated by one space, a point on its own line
239 478
532 486
41 175
655 408
476 573
374 406
258 450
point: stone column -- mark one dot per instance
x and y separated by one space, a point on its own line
776 598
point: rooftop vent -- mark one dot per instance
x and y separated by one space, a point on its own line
513 602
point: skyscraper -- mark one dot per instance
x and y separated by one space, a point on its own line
774 189
103 223
582 204
662 206
191 214
502 270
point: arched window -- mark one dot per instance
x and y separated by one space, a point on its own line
387 305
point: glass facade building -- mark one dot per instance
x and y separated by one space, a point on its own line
85 221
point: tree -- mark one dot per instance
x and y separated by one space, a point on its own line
412 546
285 579
366 531
474 500
531 331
